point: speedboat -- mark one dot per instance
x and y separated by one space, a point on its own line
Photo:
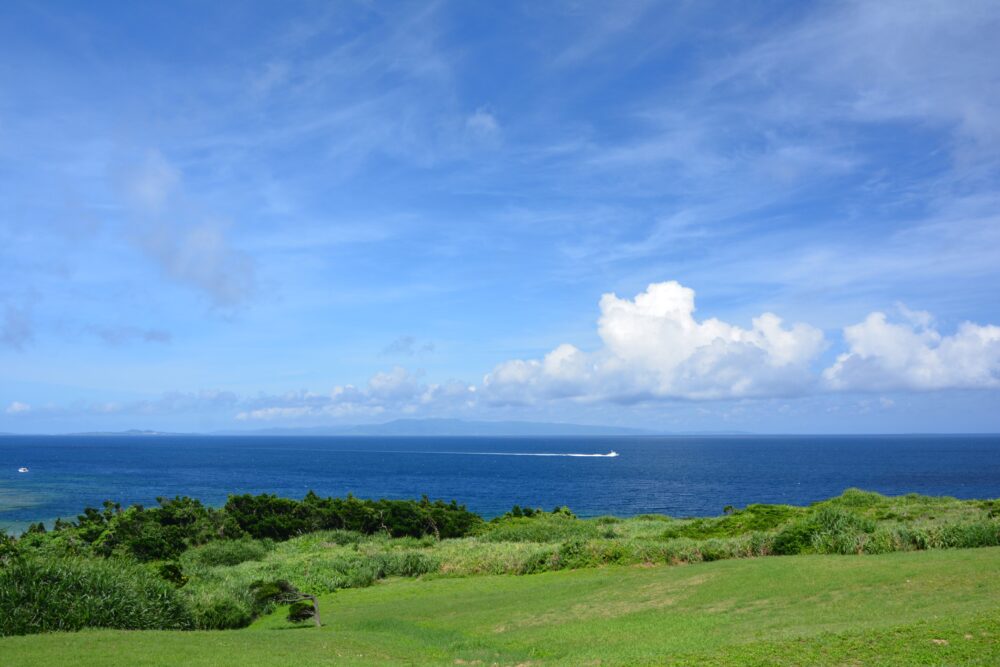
22 469
612 453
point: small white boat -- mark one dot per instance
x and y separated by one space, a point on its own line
22 469
612 453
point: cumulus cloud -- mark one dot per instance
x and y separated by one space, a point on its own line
913 355
396 391
653 347
190 247
17 408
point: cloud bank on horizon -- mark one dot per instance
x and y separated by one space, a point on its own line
213 217
655 349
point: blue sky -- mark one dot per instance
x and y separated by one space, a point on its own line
782 217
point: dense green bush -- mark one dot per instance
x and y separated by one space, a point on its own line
223 612
281 518
158 533
70 594
172 572
828 529
301 611
230 552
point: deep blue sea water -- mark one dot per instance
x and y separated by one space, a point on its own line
680 476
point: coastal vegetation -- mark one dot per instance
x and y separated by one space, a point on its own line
934 607
182 565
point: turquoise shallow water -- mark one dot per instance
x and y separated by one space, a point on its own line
680 476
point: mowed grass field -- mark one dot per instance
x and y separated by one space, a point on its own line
930 607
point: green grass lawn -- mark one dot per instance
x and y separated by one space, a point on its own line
932 607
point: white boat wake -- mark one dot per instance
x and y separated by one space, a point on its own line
612 454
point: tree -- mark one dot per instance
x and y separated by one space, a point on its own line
303 605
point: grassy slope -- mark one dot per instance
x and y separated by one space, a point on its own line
794 610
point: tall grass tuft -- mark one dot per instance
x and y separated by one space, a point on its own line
70 594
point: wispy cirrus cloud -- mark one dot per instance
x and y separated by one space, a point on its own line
189 245
407 346
333 176
123 335
16 329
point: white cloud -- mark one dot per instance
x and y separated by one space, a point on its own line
653 347
17 408
930 61
482 123
190 247
151 185
268 414
396 391
915 356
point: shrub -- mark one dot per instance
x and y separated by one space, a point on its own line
222 612
716 549
795 538
545 528
71 594
265 592
828 529
681 551
882 541
834 520
913 537
858 499
760 544
282 518
539 560
573 554
738 522
172 572
230 552
973 534
8 549
301 611
159 533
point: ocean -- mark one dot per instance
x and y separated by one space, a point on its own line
679 476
